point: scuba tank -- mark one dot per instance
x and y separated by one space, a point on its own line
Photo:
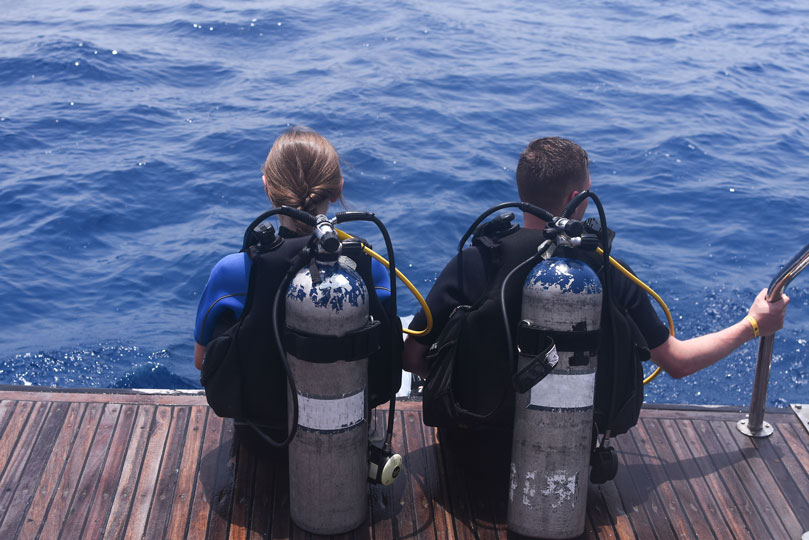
328 339
553 419
328 298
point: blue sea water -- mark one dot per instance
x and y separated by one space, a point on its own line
132 135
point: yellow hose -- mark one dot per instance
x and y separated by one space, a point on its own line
343 235
654 295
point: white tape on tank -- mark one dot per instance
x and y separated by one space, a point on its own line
563 391
331 414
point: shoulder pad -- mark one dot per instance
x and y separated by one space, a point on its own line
490 232
593 225
263 237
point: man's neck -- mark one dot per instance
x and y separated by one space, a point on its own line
530 221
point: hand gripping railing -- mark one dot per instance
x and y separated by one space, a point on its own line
754 425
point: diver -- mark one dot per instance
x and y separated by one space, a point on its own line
235 348
551 172
302 170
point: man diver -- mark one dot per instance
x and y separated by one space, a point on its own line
550 173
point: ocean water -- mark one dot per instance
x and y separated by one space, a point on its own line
132 135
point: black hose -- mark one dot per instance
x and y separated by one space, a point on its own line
343 217
541 213
512 360
301 260
300 215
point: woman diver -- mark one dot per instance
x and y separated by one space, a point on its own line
302 171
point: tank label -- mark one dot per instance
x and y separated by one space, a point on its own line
563 391
338 414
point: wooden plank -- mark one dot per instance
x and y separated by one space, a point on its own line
130 470
184 492
222 488
443 521
423 477
660 466
599 521
71 476
53 471
6 412
164 497
750 481
18 458
457 491
381 509
242 493
404 519
29 474
632 503
724 460
786 471
696 499
489 500
201 505
263 494
144 494
754 450
800 454
82 475
713 480
11 435
685 515
644 462
281 522
799 470
106 395
94 465
612 519
108 481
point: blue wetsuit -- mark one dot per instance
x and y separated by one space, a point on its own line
226 292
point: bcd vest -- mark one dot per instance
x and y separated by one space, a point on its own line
469 382
242 372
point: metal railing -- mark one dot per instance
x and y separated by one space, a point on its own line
754 425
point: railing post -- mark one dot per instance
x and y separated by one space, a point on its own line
754 425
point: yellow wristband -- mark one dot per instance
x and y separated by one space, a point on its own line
754 323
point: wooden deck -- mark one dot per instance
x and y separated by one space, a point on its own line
128 465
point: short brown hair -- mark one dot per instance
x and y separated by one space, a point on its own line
549 169
302 171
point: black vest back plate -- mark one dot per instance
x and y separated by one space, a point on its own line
242 373
472 385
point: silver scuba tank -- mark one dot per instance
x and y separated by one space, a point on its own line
553 421
328 465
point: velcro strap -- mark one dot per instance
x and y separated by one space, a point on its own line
319 349
538 368
530 339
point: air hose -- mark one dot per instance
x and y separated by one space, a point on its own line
412 288
567 211
651 293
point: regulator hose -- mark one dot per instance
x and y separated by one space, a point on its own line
654 295
575 202
412 288
343 217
